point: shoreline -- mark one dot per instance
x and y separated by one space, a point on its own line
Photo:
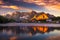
32 24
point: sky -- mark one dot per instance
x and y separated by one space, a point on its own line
48 6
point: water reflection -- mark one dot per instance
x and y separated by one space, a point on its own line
29 33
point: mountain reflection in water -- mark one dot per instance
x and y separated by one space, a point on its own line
30 33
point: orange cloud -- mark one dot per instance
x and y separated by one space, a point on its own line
15 7
53 7
12 7
29 1
1 2
37 2
44 2
50 4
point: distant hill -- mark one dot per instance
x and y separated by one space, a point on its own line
30 16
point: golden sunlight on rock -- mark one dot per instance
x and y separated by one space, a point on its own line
40 17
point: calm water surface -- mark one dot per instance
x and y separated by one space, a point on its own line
30 33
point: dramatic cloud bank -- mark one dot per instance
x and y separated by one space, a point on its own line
50 6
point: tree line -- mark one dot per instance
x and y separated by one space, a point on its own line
5 20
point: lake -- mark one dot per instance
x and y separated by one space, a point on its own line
29 33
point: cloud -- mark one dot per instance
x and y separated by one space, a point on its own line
31 4
11 7
53 7
49 6
21 3
43 2
14 7
1 2
34 2
37 2
29 1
